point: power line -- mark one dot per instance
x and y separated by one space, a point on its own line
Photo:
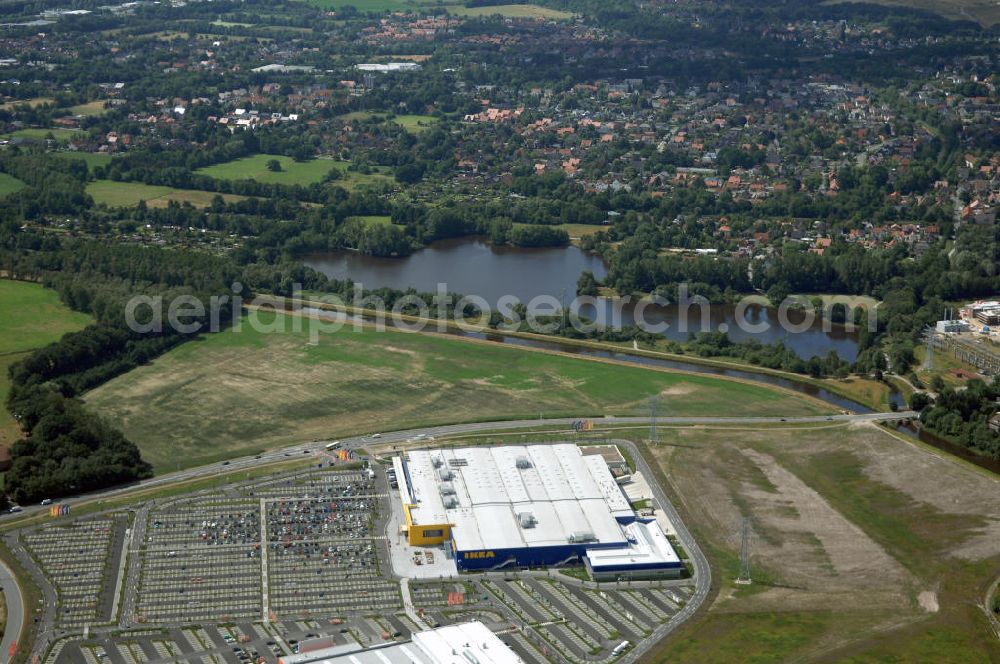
652 419
746 534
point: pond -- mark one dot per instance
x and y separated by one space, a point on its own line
471 266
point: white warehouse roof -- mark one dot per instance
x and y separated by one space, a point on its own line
516 496
647 545
453 644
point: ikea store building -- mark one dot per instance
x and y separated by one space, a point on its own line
528 506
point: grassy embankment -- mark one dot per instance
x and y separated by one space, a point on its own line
868 392
232 392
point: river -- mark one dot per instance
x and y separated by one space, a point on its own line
471 266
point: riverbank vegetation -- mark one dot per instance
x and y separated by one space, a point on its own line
969 417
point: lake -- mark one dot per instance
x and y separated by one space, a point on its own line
471 266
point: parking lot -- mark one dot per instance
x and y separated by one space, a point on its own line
201 562
325 556
81 560
290 547
242 573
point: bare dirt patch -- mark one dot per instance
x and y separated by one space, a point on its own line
816 533
943 483
928 601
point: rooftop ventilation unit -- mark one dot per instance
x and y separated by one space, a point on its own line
437 461
445 474
447 489
526 520
523 462
581 536
449 502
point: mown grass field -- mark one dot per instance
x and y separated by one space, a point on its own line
32 317
128 194
232 392
577 231
350 180
511 11
255 168
92 158
10 184
415 123
373 219
371 5
40 134
411 123
865 549
91 108
36 101
985 12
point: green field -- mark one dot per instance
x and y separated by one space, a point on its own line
350 180
415 123
90 109
512 11
411 123
10 184
985 12
39 134
577 231
372 5
92 158
32 317
235 392
37 101
372 219
255 168
127 194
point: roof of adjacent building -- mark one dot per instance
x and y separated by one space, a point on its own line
647 545
516 496
452 644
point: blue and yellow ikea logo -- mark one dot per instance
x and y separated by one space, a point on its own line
476 555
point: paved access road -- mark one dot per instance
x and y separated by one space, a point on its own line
15 611
357 442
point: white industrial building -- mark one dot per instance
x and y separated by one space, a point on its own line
525 506
453 644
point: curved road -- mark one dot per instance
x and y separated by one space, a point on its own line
15 602
15 611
